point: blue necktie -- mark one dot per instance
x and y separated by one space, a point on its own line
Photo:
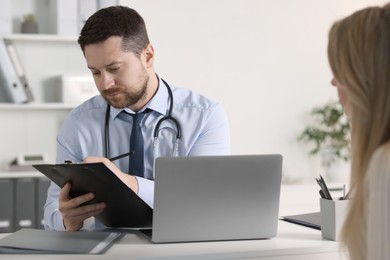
136 161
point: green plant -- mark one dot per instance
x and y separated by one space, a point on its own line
29 17
330 133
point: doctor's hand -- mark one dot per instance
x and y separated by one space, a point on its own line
129 180
72 212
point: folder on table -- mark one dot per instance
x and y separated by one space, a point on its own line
38 241
312 220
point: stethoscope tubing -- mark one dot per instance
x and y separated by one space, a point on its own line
167 117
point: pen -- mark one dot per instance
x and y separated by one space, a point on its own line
325 189
324 192
345 197
344 191
119 156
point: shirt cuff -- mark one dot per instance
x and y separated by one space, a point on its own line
89 224
146 190
59 223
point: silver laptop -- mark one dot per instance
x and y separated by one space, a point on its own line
210 198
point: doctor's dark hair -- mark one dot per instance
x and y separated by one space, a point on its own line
115 21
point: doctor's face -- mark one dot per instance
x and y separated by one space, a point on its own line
121 77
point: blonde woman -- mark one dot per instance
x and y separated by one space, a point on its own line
359 56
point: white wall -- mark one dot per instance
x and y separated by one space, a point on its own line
265 61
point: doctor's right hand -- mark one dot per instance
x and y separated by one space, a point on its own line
72 213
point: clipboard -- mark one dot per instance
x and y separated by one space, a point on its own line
124 208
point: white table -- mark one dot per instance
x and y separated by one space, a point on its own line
293 242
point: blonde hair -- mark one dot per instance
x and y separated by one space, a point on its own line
359 57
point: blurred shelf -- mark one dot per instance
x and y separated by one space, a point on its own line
21 174
41 38
37 106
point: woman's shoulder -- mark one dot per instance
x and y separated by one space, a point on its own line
379 166
382 154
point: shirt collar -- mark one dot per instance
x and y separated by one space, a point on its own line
158 103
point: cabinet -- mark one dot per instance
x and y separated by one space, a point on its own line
25 206
22 197
42 185
6 205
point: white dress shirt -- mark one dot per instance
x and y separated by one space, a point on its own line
204 131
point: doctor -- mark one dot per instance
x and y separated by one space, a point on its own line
116 47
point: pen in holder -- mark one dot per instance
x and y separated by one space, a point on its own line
333 213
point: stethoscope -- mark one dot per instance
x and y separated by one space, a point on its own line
168 117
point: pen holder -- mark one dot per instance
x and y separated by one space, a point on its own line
333 213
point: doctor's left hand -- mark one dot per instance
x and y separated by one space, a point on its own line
129 180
